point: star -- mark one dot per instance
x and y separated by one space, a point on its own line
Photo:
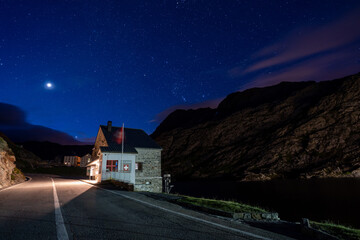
49 85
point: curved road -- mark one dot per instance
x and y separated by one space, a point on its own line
51 207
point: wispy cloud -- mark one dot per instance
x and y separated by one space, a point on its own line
326 67
88 140
206 104
303 43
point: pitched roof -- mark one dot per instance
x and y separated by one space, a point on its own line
133 138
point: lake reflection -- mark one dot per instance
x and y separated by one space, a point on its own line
336 200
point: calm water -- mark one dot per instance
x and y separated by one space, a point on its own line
337 200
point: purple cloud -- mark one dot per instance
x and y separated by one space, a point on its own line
306 42
326 67
13 124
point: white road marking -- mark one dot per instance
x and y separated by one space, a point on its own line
60 225
186 216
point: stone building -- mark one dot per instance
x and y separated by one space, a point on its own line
134 158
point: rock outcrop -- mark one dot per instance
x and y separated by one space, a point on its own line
9 174
24 158
290 130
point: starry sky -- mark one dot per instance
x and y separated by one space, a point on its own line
68 66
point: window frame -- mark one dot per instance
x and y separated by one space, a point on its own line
112 165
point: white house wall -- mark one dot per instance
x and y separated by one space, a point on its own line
120 176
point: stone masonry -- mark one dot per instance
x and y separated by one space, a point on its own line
100 142
149 178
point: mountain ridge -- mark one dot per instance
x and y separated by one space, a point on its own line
281 131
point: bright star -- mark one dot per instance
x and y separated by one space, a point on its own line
49 85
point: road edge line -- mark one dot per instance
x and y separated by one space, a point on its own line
15 185
59 220
184 215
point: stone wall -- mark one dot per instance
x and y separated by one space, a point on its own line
148 185
149 178
100 142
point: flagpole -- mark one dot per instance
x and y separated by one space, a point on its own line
122 147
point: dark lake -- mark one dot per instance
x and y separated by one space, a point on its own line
337 200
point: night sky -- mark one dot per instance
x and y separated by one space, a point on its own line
68 66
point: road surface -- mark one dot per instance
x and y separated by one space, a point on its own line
51 207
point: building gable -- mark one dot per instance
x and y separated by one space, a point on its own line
99 142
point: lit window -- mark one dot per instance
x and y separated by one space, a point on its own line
112 165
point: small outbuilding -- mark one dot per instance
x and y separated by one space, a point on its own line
127 155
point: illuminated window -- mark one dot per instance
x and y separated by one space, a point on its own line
138 166
112 165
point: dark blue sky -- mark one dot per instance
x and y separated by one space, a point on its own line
134 61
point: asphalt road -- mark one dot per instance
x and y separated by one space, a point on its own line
50 207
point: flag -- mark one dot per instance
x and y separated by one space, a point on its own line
119 135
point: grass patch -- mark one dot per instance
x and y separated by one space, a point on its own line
227 206
61 171
17 175
340 231
17 171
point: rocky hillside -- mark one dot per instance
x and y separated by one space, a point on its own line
9 174
290 130
24 158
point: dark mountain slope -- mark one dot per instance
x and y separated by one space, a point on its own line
232 103
289 130
50 151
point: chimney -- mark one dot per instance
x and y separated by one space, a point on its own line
109 126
